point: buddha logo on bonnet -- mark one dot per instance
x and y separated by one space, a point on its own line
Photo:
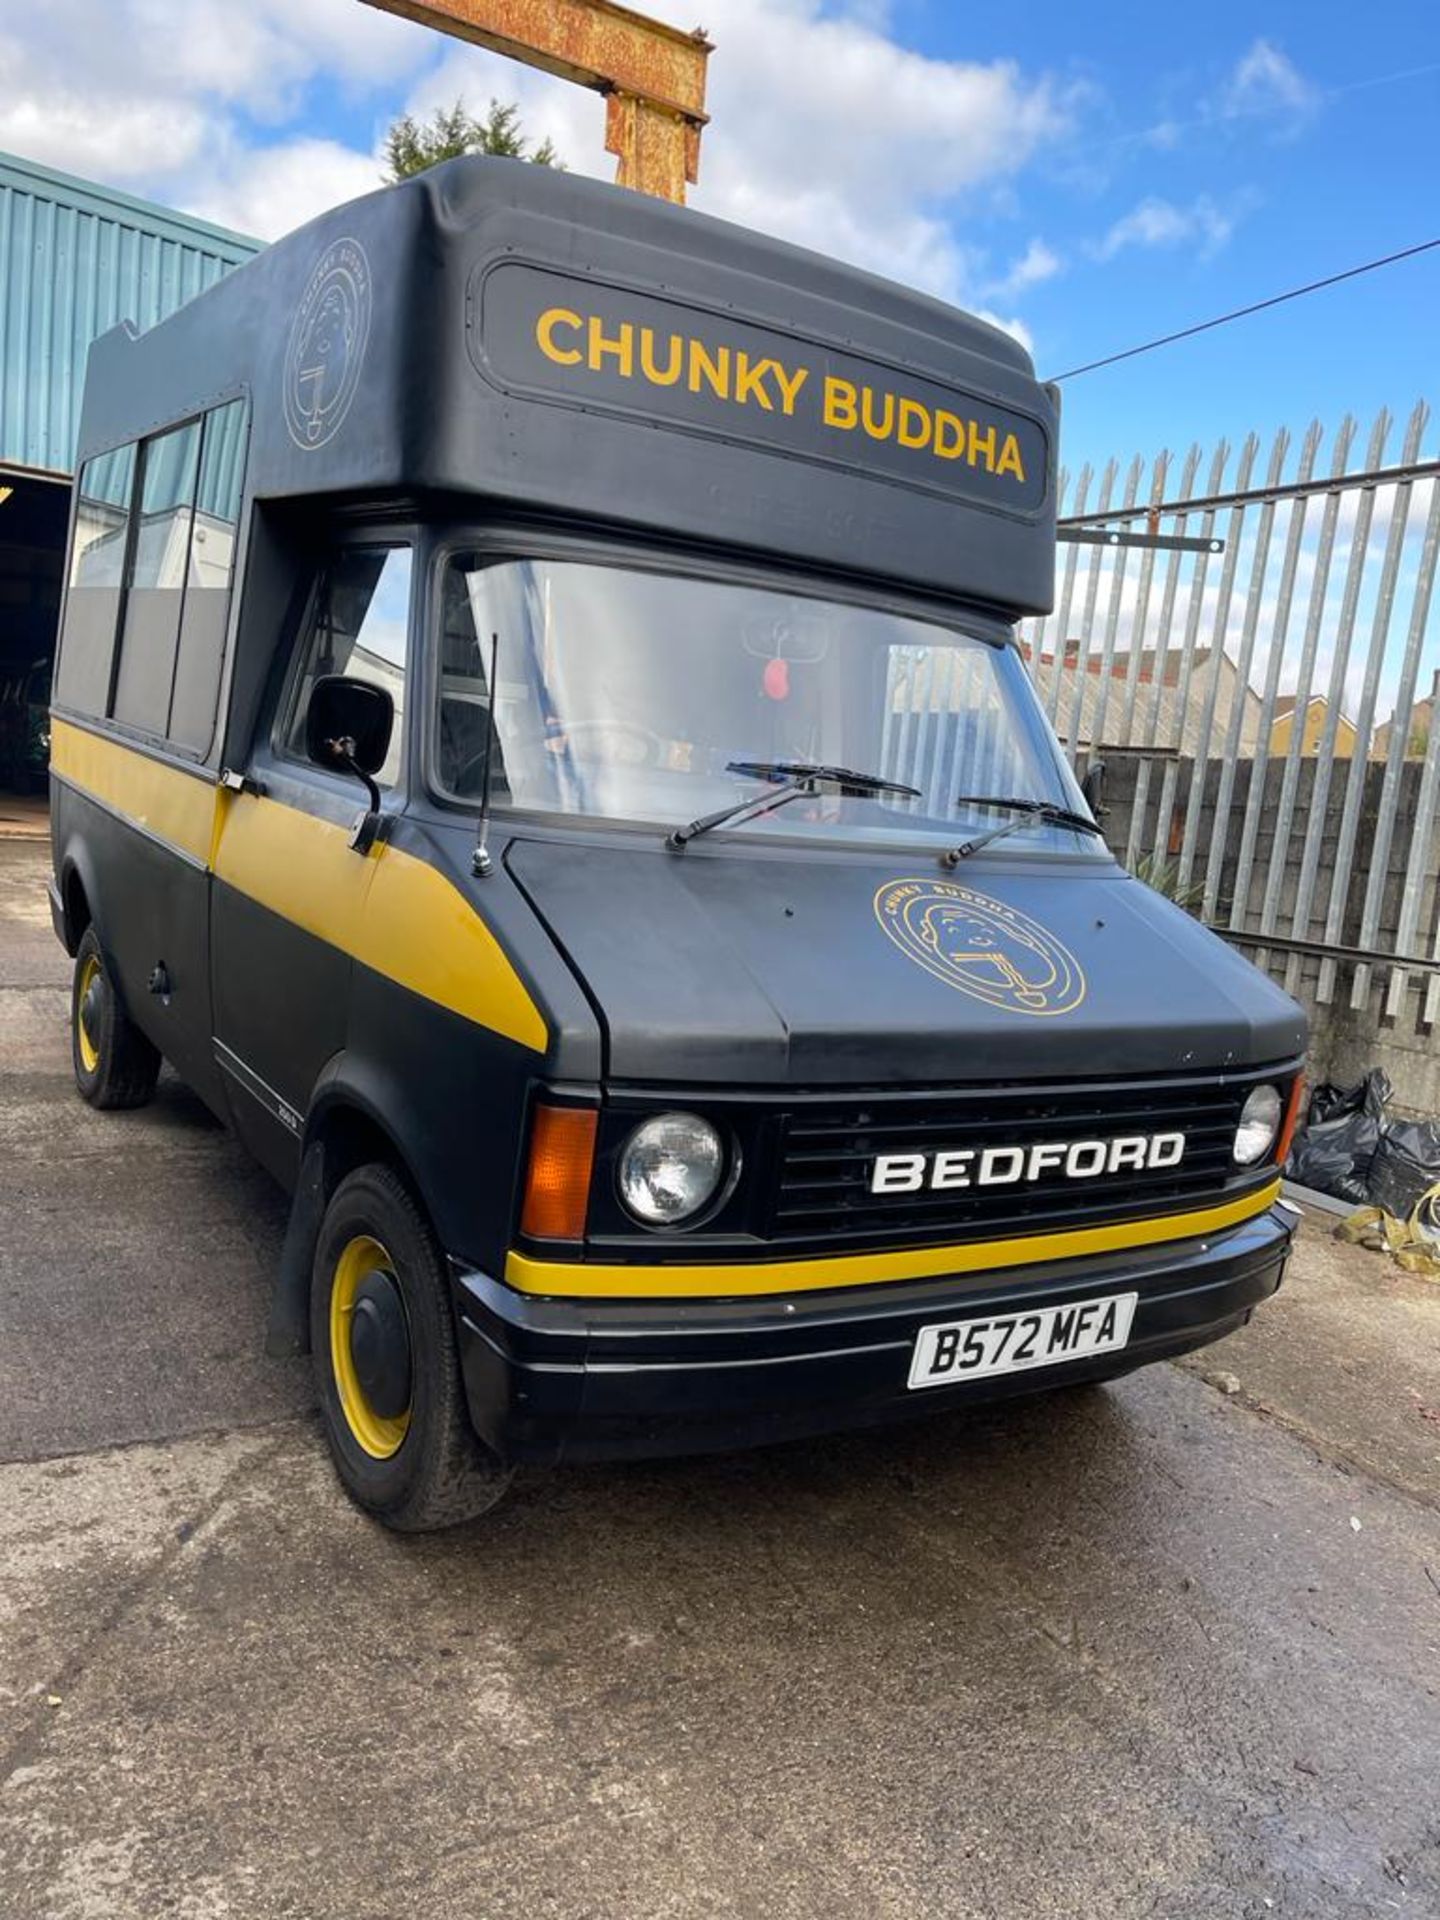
980 946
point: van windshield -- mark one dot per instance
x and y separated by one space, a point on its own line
625 695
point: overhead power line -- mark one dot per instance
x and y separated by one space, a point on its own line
1258 306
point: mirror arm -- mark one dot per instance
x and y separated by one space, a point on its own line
362 834
366 829
370 786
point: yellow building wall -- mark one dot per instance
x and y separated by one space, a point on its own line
1315 716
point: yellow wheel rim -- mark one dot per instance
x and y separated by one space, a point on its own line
89 1052
378 1436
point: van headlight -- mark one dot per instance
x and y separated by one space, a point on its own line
1259 1125
670 1168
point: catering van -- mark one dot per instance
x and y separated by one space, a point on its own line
540 746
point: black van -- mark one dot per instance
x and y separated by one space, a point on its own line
540 746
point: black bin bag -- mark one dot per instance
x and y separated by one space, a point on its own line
1405 1166
1334 1150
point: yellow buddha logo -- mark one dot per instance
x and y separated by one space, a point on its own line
980 946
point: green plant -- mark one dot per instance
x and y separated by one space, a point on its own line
1164 876
450 132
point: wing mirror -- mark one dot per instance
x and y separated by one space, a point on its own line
1093 787
347 729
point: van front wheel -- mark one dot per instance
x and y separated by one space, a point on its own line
387 1370
115 1065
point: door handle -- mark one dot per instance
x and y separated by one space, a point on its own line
239 782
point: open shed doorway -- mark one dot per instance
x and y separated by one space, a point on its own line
34 513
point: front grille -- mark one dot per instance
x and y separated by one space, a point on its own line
829 1150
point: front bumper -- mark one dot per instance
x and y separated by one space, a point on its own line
579 1379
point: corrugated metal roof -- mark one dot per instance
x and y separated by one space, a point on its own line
75 259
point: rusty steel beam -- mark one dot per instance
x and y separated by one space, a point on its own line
652 75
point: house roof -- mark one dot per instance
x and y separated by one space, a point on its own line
1121 658
1285 703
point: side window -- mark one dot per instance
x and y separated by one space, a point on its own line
155 586
209 577
160 572
97 573
359 627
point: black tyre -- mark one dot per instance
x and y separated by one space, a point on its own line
115 1065
387 1369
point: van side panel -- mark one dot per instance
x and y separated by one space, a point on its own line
373 984
286 885
413 1013
136 828
455 1099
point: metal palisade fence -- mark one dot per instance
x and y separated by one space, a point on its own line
1265 698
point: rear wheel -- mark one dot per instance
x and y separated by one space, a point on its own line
387 1369
115 1065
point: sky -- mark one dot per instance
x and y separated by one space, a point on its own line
1090 177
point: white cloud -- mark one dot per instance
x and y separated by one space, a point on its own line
1008 323
268 191
1164 136
798 147
1037 264
132 137
1160 223
1263 87
253 55
824 129
1265 81
149 93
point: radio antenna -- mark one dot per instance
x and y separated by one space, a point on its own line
480 862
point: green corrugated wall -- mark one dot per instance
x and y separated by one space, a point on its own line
75 259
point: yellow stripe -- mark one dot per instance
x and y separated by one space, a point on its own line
869 1269
177 807
390 911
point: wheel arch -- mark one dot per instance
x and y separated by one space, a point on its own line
347 1127
82 907
76 888
354 1125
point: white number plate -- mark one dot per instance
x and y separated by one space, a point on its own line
1010 1342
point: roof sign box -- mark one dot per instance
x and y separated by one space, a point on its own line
541 343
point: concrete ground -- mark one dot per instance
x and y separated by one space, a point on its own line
1171 1649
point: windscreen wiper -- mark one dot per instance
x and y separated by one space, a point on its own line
1025 812
793 779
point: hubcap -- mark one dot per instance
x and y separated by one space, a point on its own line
370 1347
380 1344
89 1001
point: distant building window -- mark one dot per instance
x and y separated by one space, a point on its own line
97 575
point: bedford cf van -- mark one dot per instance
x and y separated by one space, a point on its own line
540 746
